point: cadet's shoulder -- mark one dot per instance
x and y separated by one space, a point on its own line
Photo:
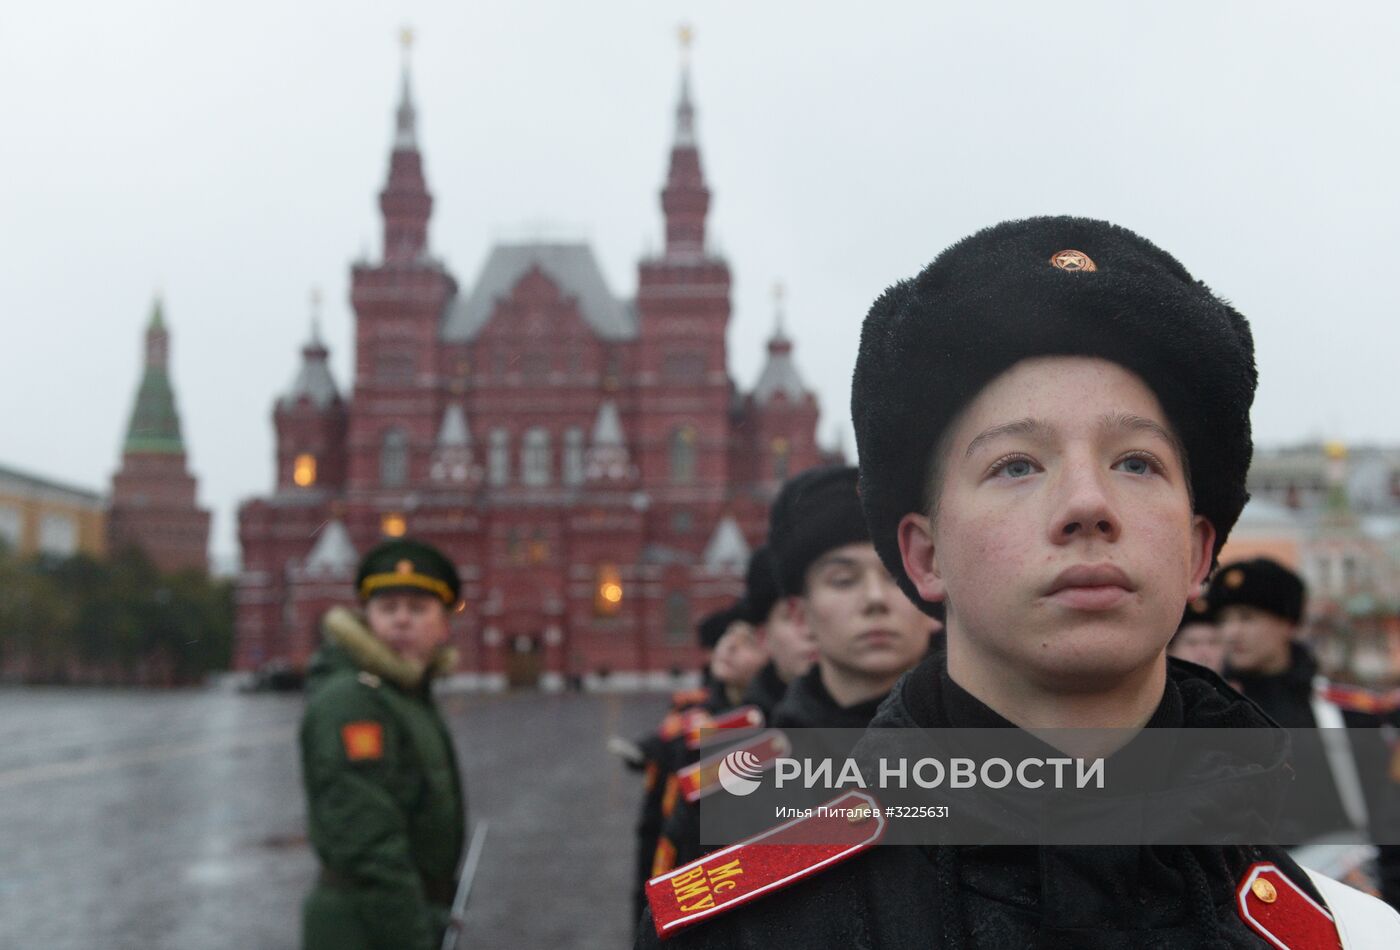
795 882
823 910
1358 700
347 693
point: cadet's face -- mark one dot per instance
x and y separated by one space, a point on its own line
861 620
790 641
1200 643
1063 541
1256 641
413 623
738 656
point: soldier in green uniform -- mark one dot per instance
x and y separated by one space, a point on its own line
384 798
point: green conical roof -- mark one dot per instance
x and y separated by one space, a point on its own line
155 424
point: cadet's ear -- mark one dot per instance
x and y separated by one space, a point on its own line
916 549
1202 553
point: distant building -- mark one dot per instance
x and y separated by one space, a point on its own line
586 459
1333 514
153 494
41 516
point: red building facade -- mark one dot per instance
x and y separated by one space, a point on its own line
585 459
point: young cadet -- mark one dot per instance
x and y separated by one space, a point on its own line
733 658
1053 427
779 620
1259 604
867 632
739 655
738 658
1198 639
384 798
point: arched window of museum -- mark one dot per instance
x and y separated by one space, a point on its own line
573 456
534 458
677 618
304 470
498 458
683 455
393 459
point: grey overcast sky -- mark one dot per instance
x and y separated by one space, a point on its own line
229 155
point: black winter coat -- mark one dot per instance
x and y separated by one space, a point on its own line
992 898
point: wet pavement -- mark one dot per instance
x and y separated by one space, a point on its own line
175 819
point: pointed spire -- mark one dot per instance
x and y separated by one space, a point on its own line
685 109
405 201
313 381
779 375
155 424
406 128
157 338
607 427
779 337
334 552
607 458
685 200
727 550
453 433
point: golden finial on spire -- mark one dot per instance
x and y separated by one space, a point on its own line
687 37
406 38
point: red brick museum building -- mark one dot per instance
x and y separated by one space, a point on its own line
585 459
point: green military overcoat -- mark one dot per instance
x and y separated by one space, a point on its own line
386 812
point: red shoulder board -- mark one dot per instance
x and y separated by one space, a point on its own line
707 733
735 875
678 724
1359 699
745 761
1282 913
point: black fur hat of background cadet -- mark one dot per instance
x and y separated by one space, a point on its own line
406 564
1047 287
712 627
815 512
760 587
1262 583
1198 610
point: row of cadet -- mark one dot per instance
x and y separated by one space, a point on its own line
1052 422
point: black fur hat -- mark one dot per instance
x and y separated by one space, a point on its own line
760 587
815 512
1261 583
712 627
1047 287
1198 610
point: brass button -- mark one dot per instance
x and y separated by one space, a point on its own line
1265 891
1073 260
